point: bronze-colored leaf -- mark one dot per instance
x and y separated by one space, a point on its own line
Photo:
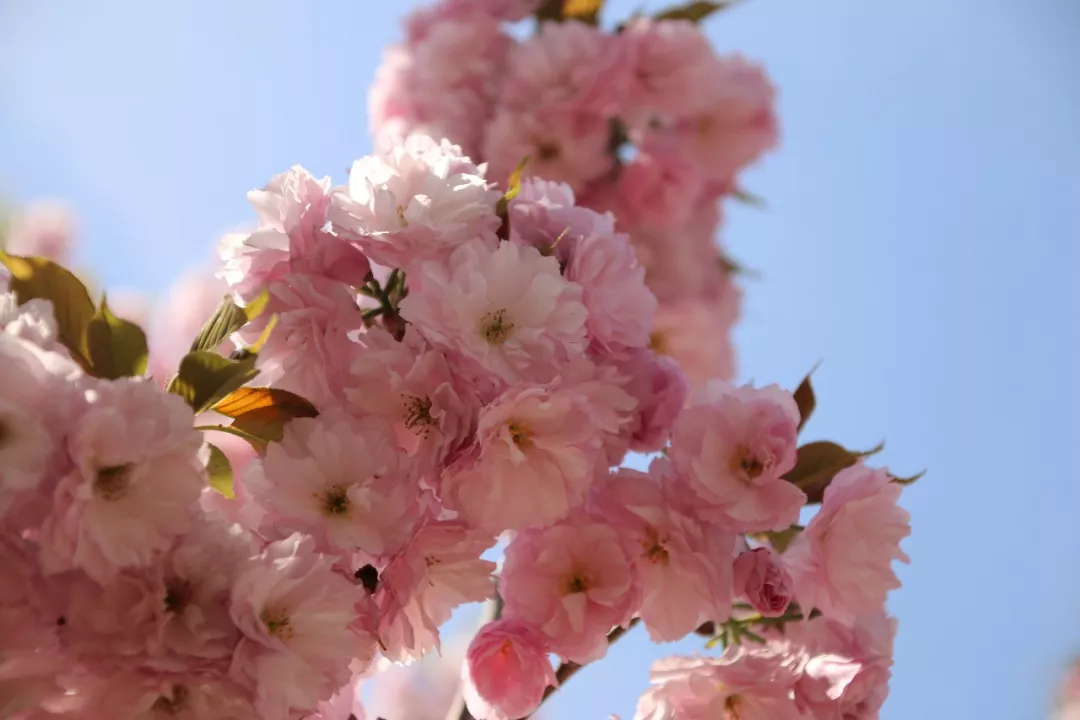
693 11
40 278
205 377
908 480
818 463
263 412
586 11
117 348
805 398
227 319
249 399
549 10
219 472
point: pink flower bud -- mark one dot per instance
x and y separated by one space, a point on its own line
506 671
761 579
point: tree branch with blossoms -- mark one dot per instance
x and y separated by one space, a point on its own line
248 522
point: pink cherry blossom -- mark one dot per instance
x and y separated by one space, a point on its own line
659 190
308 351
292 212
508 311
671 60
444 80
696 334
562 146
573 581
345 704
848 668
761 579
32 321
733 122
620 306
29 429
440 569
298 618
506 671
661 389
536 455
568 67
418 201
842 562
339 479
731 447
601 391
743 687
684 565
134 479
44 229
411 385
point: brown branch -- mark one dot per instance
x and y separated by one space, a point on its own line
567 670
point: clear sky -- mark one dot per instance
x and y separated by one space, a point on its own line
921 239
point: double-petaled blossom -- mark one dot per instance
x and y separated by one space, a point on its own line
439 570
506 671
341 480
842 562
535 459
505 312
573 581
685 566
416 202
301 624
731 447
133 476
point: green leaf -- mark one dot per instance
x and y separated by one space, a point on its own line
37 277
513 187
204 378
228 318
748 198
117 348
781 539
818 463
258 443
805 398
693 11
263 412
219 471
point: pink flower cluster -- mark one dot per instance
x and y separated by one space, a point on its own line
647 122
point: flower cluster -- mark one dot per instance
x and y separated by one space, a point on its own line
405 369
647 122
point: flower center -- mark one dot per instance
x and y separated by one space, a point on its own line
548 150
112 483
654 548
172 704
748 465
277 622
520 434
495 327
5 433
177 594
401 216
657 343
578 582
335 501
418 414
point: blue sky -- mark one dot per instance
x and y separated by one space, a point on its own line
921 238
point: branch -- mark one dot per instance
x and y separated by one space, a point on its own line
567 670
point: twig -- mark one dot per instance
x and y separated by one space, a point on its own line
567 670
